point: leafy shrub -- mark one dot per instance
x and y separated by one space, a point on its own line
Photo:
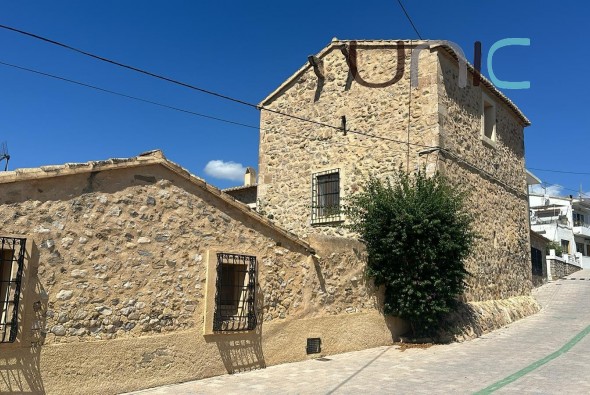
417 234
553 245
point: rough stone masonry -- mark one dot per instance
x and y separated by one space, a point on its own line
444 125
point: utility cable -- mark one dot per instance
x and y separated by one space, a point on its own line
190 112
239 101
409 19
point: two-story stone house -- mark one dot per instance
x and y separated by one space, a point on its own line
127 273
369 116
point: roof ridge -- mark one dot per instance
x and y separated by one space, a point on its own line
145 158
22 174
335 42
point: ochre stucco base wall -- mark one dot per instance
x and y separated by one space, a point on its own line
120 365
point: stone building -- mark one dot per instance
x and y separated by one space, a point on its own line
124 274
369 116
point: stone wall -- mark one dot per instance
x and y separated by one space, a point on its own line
559 268
117 262
442 115
494 177
292 150
474 319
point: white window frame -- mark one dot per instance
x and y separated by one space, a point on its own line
488 114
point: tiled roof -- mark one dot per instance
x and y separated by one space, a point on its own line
238 188
144 159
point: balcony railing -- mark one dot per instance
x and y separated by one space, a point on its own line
581 228
574 259
543 221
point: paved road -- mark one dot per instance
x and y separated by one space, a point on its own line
548 353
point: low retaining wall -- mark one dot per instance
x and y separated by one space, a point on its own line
474 319
559 268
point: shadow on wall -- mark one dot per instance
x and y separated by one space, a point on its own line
20 371
242 351
355 252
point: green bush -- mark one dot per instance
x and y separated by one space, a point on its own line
417 234
553 245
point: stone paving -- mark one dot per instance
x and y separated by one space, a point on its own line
459 368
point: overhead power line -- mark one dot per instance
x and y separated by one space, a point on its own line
103 59
190 112
409 19
229 98
126 95
206 91
560 171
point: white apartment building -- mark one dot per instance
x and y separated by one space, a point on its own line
566 221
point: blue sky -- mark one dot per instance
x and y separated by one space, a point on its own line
245 50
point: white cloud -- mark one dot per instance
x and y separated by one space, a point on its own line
225 170
550 190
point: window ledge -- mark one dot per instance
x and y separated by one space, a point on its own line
488 141
326 221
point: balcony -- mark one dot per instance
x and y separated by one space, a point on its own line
581 228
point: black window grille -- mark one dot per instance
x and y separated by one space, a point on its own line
537 260
325 197
12 257
235 293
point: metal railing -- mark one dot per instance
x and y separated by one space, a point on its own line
12 256
235 293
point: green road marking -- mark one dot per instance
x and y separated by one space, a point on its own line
513 377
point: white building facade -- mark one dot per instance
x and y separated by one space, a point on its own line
566 221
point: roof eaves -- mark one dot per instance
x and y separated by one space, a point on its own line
75 168
537 234
337 43
490 86
238 188
237 204
146 158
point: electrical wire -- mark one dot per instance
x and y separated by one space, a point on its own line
193 87
409 19
190 112
561 171
229 98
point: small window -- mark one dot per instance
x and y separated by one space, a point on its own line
12 253
488 122
565 246
235 293
326 197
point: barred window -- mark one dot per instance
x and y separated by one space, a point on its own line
235 293
12 253
326 197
